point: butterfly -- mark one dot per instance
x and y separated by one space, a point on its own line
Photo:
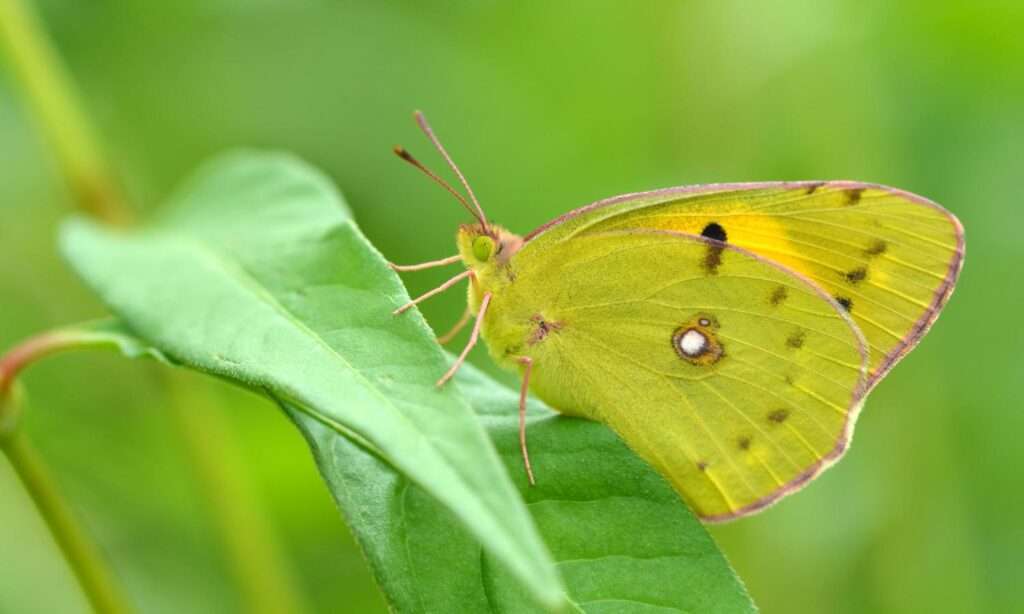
728 333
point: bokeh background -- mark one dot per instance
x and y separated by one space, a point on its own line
547 106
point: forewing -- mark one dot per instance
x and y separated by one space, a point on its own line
770 403
889 257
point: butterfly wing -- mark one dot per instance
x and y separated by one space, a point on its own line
889 257
738 386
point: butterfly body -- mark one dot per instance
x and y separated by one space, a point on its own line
514 328
728 333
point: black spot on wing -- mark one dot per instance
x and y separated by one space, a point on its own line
702 465
796 340
712 258
853 196
778 295
743 442
845 302
856 275
877 248
714 231
811 189
542 329
778 416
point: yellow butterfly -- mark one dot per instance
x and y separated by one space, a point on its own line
728 333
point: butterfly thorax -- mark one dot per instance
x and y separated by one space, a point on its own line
488 253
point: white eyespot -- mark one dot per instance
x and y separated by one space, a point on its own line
693 343
704 322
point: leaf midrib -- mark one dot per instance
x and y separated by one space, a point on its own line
250 282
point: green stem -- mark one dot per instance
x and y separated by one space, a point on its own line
51 96
79 551
29 351
81 554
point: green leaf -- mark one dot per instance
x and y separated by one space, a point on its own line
623 540
254 273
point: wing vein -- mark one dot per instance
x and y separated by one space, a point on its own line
689 404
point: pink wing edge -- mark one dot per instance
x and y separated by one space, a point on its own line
939 299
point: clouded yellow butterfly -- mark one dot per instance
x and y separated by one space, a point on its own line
729 333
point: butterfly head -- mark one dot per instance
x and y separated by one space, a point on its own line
484 246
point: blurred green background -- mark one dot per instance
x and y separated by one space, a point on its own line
546 106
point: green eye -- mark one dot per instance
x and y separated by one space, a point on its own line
483 247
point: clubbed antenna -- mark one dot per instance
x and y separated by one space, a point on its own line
402 153
425 127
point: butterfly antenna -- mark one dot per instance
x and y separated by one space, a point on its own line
427 130
404 154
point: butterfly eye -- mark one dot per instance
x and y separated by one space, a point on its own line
483 247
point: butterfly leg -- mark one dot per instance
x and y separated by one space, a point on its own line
527 368
401 268
448 284
448 336
473 338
